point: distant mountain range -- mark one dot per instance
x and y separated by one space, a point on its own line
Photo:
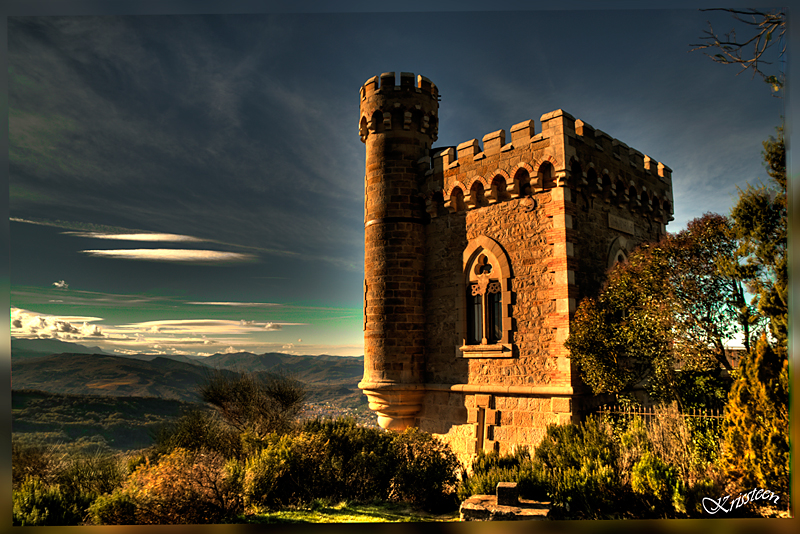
78 370
35 348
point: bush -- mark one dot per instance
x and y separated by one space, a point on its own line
117 508
337 460
485 483
38 504
186 487
756 449
358 459
580 463
490 468
426 470
660 484
671 440
199 430
263 471
27 461
246 402
94 475
62 491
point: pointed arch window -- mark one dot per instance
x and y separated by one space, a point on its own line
486 299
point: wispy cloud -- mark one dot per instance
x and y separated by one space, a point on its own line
235 304
74 297
204 326
173 255
136 237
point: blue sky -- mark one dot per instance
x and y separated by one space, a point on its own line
194 183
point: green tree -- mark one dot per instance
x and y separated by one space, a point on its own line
759 223
249 403
670 307
756 439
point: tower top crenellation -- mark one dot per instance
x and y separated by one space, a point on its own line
408 82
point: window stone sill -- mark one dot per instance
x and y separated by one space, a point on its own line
499 350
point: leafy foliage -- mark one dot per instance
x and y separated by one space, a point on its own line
759 223
338 460
183 487
199 430
38 504
659 483
59 491
246 402
425 470
580 460
614 467
669 307
757 452
359 458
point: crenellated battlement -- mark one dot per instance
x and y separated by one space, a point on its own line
385 107
386 82
467 307
566 152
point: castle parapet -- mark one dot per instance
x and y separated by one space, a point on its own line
386 82
568 152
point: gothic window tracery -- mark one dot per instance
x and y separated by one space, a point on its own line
486 321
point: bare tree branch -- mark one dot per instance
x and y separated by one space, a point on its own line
749 54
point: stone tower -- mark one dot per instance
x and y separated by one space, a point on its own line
398 124
476 257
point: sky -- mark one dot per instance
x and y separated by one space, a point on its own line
183 183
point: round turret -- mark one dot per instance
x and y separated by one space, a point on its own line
398 124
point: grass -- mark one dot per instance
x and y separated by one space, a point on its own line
346 512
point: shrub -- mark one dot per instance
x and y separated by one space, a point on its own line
485 483
41 462
358 458
63 490
671 440
199 430
660 484
117 508
38 504
426 470
756 436
337 460
94 475
490 468
247 402
633 443
580 463
182 487
263 471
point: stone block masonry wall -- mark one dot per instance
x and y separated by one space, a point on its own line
621 199
473 422
398 124
541 200
446 239
476 257
523 235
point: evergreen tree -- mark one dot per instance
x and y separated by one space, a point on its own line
756 439
756 444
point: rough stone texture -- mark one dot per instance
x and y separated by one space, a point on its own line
549 212
507 494
485 508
